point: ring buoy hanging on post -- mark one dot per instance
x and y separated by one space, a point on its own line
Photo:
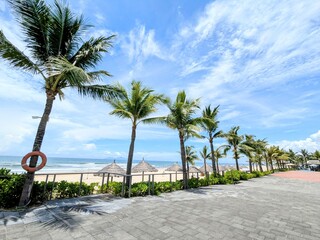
25 166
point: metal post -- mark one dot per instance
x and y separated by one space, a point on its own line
123 184
81 177
170 182
45 186
176 175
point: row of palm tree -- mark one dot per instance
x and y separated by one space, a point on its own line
57 53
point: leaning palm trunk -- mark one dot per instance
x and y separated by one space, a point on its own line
213 158
183 160
236 157
130 156
205 167
260 165
217 167
250 165
27 187
267 165
271 165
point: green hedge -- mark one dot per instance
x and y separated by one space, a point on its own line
11 187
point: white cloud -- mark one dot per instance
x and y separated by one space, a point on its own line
89 146
311 143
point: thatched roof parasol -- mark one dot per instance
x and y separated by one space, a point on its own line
112 168
144 166
193 169
174 168
208 167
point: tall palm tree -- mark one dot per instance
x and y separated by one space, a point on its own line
305 156
316 155
205 155
247 149
191 156
58 55
234 140
181 118
137 105
220 152
210 125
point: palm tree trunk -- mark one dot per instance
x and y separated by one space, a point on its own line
212 156
250 165
217 162
260 165
205 167
236 157
271 166
27 187
130 155
183 161
267 164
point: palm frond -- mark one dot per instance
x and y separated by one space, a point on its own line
34 18
90 53
153 120
98 91
14 56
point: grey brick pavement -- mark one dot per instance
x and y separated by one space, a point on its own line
264 208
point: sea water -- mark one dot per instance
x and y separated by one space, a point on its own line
70 165
60 164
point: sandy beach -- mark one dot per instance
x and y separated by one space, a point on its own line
88 178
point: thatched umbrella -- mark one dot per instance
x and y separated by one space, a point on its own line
174 168
193 169
112 168
144 166
208 167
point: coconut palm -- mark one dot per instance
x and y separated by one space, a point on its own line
305 156
316 155
234 140
56 53
220 152
210 125
205 155
137 105
181 118
247 149
271 154
191 156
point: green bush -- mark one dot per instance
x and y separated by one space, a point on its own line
114 188
139 189
11 185
244 176
161 187
232 176
257 174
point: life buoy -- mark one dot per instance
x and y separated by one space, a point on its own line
33 169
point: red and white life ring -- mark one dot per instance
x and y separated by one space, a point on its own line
26 167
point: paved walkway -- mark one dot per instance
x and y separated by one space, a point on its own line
271 207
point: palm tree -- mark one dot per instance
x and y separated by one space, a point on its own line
210 125
247 149
181 118
220 152
59 56
316 155
191 156
136 105
205 155
305 155
234 141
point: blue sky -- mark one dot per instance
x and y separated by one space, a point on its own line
258 60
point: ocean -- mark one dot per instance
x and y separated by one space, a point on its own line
70 165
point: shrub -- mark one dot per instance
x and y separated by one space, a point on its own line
139 189
11 185
256 173
161 187
114 188
244 176
193 183
232 176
